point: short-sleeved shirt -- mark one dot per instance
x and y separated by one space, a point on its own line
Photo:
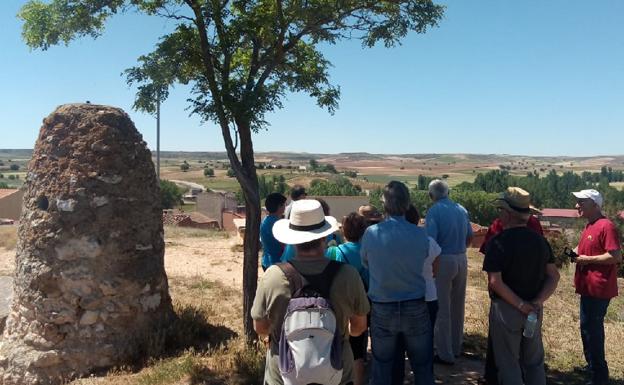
271 248
594 280
348 252
521 256
347 297
447 222
497 226
431 293
394 252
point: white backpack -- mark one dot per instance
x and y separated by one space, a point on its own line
310 346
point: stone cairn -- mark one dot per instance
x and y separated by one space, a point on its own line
90 289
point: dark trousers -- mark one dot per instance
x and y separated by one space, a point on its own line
398 368
592 314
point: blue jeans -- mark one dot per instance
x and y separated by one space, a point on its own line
592 314
398 369
397 326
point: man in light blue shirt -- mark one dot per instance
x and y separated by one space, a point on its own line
394 251
448 224
272 249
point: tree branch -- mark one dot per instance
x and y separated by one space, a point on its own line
212 84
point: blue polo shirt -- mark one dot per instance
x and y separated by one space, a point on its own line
393 251
448 224
271 248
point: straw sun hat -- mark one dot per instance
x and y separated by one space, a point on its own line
307 222
517 200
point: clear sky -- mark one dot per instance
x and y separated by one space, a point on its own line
497 76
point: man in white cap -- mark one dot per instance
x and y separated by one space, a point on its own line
595 279
307 229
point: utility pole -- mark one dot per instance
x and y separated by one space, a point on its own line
158 135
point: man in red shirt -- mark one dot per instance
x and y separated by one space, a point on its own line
595 279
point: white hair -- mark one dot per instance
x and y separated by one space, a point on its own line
438 189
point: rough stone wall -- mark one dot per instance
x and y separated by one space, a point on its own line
90 283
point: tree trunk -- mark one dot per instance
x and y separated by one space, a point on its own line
246 175
250 261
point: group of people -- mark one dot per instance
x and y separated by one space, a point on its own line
405 283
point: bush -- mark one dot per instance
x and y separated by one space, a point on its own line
185 166
170 194
558 243
3 185
14 167
12 177
208 172
231 173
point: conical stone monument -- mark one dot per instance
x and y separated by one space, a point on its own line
90 286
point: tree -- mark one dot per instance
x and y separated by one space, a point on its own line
170 194
14 167
208 172
240 59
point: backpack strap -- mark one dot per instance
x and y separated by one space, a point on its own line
295 280
344 256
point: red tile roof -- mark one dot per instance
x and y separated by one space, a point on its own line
5 192
560 213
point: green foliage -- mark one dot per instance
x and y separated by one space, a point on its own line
318 167
185 166
423 182
230 173
170 195
14 167
478 204
420 199
276 183
209 172
4 185
336 186
12 177
351 174
375 198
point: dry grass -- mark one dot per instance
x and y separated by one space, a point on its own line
562 340
8 237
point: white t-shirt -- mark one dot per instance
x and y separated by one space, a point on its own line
431 293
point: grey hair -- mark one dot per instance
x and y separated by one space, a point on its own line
396 198
438 189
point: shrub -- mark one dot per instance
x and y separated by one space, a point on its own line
14 167
208 172
185 166
558 242
12 177
231 173
170 194
3 185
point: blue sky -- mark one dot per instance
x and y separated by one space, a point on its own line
497 76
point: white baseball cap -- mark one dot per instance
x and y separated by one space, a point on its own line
589 194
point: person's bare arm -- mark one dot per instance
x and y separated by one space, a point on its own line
609 258
552 279
357 325
495 282
262 326
469 240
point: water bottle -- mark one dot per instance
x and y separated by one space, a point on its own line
530 325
